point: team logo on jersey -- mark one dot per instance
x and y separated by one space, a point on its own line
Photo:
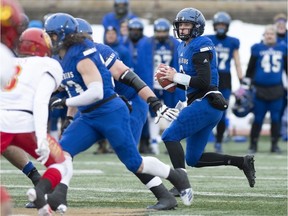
68 75
183 61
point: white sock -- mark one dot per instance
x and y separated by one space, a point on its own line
155 167
69 166
156 181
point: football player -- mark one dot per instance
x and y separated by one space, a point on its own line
24 124
267 62
198 74
12 21
165 200
227 48
86 73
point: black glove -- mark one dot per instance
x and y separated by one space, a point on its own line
154 103
57 103
161 110
67 121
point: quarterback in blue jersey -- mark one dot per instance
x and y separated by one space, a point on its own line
90 88
267 62
198 74
227 48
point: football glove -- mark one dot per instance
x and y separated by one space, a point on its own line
162 111
43 151
57 103
169 114
67 121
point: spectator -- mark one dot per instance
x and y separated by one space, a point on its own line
227 48
267 62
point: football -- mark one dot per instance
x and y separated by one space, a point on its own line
165 83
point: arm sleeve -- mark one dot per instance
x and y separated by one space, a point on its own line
45 88
251 67
201 62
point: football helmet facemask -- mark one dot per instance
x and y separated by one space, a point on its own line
189 15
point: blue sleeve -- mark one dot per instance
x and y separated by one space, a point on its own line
236 43
107 53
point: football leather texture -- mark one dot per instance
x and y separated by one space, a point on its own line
165 83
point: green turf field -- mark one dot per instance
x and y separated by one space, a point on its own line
101 181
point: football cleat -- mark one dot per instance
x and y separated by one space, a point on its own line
174 192
183 186
164 204
61 209
30 205
276 149
45 211
249 169
42 211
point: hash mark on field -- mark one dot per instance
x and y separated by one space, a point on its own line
126 190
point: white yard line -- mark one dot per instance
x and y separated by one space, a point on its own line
127 173
113 190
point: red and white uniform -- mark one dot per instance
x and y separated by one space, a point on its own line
7 65
24 104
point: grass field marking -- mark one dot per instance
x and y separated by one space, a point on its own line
114 190
97 172
77 172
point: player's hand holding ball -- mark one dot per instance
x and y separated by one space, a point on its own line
164 76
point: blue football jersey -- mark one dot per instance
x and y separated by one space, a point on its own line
186 52
224 49
72 79
270 63
110 56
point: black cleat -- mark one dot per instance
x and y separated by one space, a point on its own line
58 199
182 184
174 192
30 205
249 169
164 204
276 149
